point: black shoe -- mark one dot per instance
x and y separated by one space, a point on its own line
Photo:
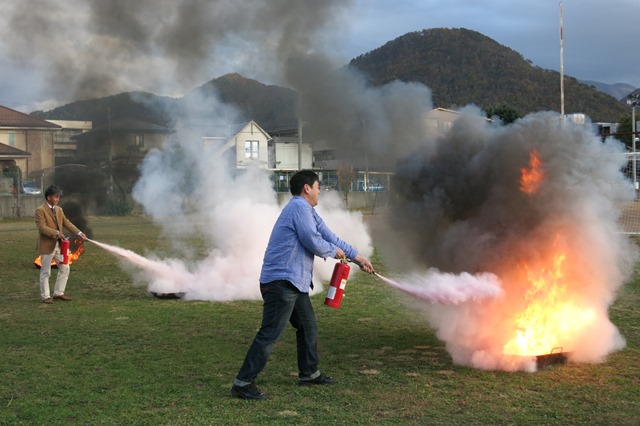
320 380
249 391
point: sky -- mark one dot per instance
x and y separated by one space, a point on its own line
81 49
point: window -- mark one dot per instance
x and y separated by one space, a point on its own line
12 139
139 142
251 149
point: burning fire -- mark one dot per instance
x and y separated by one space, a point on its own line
559 256
73 256
551 318
531 176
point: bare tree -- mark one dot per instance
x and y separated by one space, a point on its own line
346 176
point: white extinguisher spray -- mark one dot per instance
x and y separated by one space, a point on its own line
337 284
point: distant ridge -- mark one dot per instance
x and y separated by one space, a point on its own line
618 90
273 107
462 66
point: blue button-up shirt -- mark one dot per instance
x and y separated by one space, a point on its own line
298 235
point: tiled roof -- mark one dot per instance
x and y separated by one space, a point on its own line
10 118
7 151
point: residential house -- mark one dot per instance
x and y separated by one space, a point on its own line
122 142
286 154
118 147
8 157
63 145
438 121
252 145
248 146
30 135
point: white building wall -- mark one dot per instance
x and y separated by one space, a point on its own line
285 153
287 156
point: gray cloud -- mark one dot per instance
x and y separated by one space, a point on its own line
83 49
100 48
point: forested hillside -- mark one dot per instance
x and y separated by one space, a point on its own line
459 65
463 66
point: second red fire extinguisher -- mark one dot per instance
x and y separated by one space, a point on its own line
337 284
64 251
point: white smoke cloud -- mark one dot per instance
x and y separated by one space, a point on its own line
194 191
445 288
459 208
344 223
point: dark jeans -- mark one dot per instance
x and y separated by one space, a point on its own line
282 302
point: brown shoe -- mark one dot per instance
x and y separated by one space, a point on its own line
47 300
63 297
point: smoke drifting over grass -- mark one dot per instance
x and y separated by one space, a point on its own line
459 206
192 190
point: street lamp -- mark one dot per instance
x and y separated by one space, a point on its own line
633 100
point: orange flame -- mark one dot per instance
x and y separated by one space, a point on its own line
75 255
551 319
531 176
72 256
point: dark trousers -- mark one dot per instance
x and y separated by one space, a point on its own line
283 302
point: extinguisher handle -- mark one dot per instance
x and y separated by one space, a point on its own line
359 264
355 261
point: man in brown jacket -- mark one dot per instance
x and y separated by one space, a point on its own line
51 221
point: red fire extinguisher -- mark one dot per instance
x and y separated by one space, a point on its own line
64 251
337 284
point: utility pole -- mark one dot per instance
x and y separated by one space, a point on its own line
299 131
561 64
633 145
109 157
632 100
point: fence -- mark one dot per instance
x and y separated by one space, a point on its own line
630 212
368 191
363 181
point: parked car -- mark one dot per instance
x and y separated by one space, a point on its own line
326 186
376 186
372 186
30 188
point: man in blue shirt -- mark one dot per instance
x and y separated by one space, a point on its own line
285 280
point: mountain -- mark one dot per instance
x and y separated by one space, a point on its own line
462 66
273 107
141 106
618 90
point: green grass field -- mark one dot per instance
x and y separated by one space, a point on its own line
116 355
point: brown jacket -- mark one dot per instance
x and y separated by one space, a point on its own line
47 227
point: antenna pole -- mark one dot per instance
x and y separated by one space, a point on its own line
561 64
